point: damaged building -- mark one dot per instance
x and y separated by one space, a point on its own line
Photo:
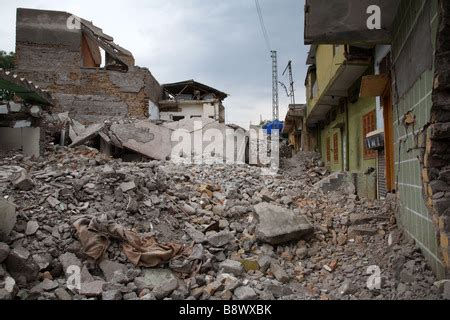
22 116
191 99
89 75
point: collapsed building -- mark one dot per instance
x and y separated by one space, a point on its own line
22 116
89 75
191 99
100 97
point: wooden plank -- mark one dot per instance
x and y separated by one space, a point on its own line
373 85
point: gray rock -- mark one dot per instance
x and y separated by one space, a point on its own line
5 295
279 272
69 260
53 202
346 288
279 291
153 278
446 294
112 295
8 218
32 228
20 264
165 289
109 268
62 294
23 181
130 296
264 263
220 239
245 293
43 260
92 289
278 225
127 186
49 285
4 251
194 234
149 297
407 277
189 209
231 266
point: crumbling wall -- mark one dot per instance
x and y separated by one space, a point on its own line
412 116
49 52
436 154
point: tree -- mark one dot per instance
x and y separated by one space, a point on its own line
6 62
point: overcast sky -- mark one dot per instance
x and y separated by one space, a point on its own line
218 43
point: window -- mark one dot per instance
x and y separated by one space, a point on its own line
328 149
369 125
177 118
336 148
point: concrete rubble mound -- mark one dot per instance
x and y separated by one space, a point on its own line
153 230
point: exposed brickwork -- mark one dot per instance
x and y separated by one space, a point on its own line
50 54
436 155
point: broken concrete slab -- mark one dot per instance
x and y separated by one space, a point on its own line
110 267
154 278
278 225
8 218
92 289
144 137
23 181
75 128
20 264
89 133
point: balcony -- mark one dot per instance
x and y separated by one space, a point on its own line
337 69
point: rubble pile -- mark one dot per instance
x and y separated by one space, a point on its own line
155 230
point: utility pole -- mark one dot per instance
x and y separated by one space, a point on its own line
291 81
275 105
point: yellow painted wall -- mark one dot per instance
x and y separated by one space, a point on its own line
327 65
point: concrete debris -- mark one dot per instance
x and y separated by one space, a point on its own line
23 181
278 225
145 138
8 218
89 133
248 236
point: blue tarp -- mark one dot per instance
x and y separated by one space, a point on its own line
274 125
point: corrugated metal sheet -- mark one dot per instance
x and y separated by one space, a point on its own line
382 190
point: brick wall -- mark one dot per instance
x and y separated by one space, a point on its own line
49 53
409 141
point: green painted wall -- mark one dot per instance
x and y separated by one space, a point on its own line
366 185
329 131
414 215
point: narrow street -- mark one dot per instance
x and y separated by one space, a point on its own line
220 154
211 209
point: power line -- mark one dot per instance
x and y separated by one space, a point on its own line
263 26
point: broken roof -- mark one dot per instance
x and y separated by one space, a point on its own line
189 86
23 88
107 43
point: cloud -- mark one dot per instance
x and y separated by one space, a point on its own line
219 43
